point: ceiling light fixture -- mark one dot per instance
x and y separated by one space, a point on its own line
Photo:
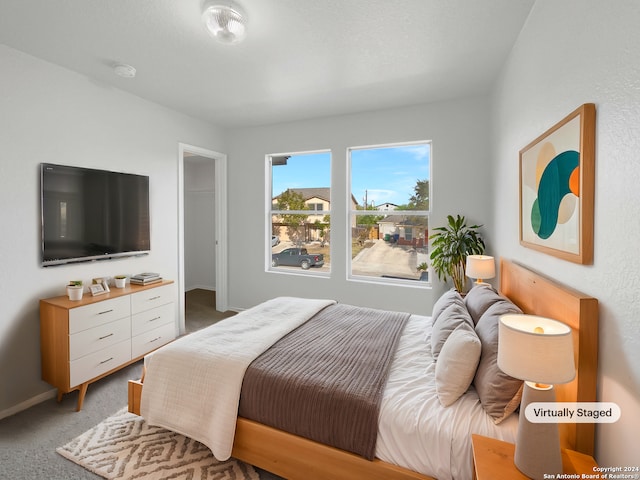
123 70
225 21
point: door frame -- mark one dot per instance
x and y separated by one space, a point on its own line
220 242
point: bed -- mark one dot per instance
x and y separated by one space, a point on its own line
293 456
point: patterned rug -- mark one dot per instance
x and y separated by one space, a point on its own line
124 447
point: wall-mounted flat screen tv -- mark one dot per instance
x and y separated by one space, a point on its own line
90 214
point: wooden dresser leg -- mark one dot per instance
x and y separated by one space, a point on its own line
59 397
83 392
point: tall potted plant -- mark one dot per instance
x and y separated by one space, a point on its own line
450 246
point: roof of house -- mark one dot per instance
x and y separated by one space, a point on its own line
323 193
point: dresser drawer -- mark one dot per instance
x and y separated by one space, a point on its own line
148 341
151 298
95 364
97 338
150 319
89 316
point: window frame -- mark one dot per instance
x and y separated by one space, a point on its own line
270 212
409 283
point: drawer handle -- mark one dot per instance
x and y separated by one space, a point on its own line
154 319
106 361
155 339
106 311
154 298
106 336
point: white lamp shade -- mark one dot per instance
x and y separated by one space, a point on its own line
536 349
480 266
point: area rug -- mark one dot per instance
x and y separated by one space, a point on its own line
125 447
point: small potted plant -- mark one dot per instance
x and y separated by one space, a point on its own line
120 281
74 290
422 268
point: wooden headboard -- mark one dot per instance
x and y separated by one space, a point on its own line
536 294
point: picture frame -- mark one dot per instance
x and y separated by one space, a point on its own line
557 182
102 281
97 289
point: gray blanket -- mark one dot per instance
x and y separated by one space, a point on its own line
324 381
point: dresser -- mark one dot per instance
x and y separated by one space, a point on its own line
83 341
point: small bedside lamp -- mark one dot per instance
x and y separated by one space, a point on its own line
480 267
540 351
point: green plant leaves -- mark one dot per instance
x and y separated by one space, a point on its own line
450 247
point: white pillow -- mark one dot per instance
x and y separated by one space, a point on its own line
457 363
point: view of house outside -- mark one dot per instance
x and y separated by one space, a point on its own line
390 237
388 212
301 211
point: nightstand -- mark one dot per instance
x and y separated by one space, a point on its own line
493 459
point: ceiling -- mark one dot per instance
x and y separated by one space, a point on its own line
301 58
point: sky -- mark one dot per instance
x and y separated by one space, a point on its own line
386 174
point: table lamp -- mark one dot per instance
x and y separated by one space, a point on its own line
539 351
480 267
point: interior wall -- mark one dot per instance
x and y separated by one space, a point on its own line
50 114
569 53
460 185
199 223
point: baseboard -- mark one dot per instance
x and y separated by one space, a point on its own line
28 403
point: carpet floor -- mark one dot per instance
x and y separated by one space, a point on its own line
124 447
29 439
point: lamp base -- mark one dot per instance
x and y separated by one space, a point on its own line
537 444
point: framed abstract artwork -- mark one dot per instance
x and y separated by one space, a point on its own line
557 178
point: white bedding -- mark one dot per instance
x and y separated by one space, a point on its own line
192 386
183 391
415 430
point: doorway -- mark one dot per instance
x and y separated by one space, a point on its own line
202 213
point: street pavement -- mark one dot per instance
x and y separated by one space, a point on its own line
388 259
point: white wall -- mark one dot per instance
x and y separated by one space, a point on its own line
50 114
569 53
461 184
199 224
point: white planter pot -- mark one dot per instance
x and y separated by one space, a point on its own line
74 292
120 282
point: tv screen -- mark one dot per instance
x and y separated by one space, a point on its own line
92 214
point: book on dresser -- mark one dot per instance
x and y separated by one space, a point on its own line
145 278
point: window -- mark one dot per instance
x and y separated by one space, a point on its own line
389 212
299 214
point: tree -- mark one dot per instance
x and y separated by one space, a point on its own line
291 200
420 199
366 223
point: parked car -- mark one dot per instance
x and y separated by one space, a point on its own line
275 240
297 257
